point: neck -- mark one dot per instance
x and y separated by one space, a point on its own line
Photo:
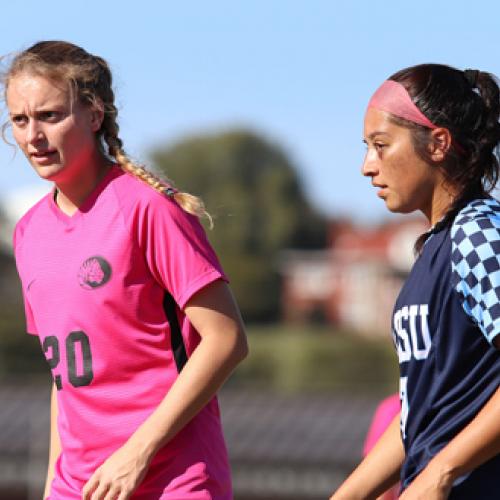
71 194
442 200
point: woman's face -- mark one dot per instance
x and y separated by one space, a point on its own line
56 133
404 181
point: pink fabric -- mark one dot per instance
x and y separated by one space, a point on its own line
393 98
94 285
384 415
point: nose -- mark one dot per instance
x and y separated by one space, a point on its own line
34 132
370 163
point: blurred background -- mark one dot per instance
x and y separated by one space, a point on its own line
258 108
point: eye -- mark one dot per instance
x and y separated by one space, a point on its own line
48 116
19 120
379 146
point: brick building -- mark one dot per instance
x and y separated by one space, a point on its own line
353 283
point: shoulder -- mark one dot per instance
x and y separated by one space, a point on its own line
128 187
140 202
476 217
135 194
30 218
475 232
475 262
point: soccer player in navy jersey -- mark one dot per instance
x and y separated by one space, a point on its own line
432 135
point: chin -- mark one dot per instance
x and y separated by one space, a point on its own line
47 172
401 210
391 206
398 208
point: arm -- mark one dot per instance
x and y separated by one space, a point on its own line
475 444
213 312
55 443
378 471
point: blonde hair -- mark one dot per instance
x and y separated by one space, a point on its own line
89 80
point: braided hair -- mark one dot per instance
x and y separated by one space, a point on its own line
90 81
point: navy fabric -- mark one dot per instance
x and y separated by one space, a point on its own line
444 322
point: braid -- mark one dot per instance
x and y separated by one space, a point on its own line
190 203
90 80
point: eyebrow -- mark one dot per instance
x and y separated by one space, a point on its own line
43 109
377 132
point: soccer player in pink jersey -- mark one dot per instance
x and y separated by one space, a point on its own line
126 295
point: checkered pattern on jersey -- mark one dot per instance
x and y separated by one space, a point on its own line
475 263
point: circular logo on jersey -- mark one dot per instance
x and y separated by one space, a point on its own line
94 272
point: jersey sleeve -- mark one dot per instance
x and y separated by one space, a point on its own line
176 249
30 321
476 268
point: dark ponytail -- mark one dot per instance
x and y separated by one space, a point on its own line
467 103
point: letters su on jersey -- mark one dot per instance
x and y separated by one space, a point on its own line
411 332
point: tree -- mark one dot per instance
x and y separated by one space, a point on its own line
254 193
20 354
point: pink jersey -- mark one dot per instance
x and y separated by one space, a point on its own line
384 415
105 290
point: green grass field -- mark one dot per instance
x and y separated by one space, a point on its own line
282 359
317 358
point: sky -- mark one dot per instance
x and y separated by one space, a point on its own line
298 73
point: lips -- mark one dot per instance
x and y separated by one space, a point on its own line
43 157
381 189
43 154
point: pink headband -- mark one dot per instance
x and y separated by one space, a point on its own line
393 98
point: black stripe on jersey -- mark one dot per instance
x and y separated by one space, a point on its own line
176 339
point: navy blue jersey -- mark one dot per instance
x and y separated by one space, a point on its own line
444 323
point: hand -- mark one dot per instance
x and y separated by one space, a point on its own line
428 485
118 477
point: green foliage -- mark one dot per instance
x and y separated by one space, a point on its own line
20 353
253 192
315 359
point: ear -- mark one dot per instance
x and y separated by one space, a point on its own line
440 144
96 116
